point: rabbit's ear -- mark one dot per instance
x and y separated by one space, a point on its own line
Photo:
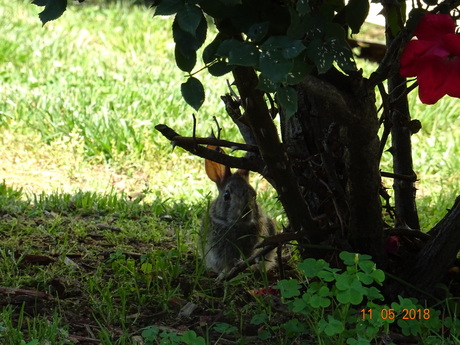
243 173
216 172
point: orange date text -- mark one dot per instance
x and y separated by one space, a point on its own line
390 314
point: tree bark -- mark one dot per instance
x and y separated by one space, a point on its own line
401 149
279 168
431 264
336 129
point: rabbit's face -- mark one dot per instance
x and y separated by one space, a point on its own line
237 199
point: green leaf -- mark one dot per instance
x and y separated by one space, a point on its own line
287 97
266 84
414 17
331 327
378 276
150 333
294 327
246 55
343 281
356 13
365 278
366 266
274 66
299 24
225 328
359 341
220 68
185 41
189 17
300 69
258 31
168 7
409 327
210 51
311 267
53 9
373 293
264 334
40 2
185 62
303 6
239 53
289 288
338 45
320 55
331 47
348 258
316 301
299 306
190 338
328 275
259 319
393 18
350 292
193 92
290 48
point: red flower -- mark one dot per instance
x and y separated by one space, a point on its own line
392 244
269 291
434 58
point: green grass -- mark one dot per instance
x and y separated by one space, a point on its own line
111 78
101 77
112 267
90 185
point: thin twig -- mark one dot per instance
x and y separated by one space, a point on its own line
219 129
242 265
410 178
408 233
194 129
385 118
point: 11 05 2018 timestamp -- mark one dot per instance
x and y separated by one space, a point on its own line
390 314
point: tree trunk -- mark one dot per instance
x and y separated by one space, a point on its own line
333 143
401 149
431 264
279 167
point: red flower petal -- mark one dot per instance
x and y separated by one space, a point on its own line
432 26
431 79
413 52
451 42
452 82
392 244
434 58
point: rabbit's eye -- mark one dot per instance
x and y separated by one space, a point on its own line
227 195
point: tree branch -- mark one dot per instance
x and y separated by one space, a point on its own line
279 168
401 146
192 145
243 264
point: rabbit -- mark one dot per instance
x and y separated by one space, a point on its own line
235 223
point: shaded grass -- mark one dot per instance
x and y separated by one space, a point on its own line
103 267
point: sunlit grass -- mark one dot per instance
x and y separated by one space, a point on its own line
112 77
101 77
